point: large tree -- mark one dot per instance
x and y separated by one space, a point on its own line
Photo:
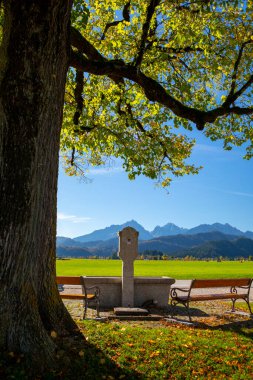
137 74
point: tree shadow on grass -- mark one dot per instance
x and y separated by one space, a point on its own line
240 327
75 359
219 320
179 312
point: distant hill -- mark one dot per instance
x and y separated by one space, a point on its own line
204 240
172 244
168 230
241 247
224 228
111 232
248 234
64 241
63 251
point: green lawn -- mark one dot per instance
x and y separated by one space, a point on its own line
171 268
143 352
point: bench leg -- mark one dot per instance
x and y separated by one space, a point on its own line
248 303
174 303
98 315
85 306
188 311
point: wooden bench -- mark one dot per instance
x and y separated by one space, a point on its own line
234 289
87 294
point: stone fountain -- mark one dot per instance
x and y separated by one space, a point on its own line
130 291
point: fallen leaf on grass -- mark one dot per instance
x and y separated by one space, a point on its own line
154 354
188 345
53 334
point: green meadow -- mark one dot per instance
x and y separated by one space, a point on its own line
178 269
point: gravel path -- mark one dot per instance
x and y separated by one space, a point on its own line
213 313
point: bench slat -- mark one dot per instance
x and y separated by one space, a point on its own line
210 297
68 280
220 283
77 296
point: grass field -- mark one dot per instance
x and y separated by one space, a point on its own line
171 268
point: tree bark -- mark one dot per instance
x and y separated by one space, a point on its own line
33 66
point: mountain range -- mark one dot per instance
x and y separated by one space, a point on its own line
168 229
204 240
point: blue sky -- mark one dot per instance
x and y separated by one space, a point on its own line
222 192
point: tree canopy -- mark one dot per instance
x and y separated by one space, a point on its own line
143 72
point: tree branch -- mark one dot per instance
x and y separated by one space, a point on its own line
78 96
153 90
145 29
126 17
72 160
238 93
180 50
230 98
174 51
78 41
143 130
241 110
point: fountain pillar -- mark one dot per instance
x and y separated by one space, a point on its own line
128 252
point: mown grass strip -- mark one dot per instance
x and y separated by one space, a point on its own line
172 268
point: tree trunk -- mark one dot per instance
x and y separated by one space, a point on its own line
33 65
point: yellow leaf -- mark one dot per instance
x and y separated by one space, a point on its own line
53 334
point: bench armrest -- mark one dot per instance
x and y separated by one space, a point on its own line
234 288
181 289
95 289
174 291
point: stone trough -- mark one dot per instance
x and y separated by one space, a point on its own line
156 289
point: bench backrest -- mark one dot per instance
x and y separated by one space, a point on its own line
220 283
68 280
